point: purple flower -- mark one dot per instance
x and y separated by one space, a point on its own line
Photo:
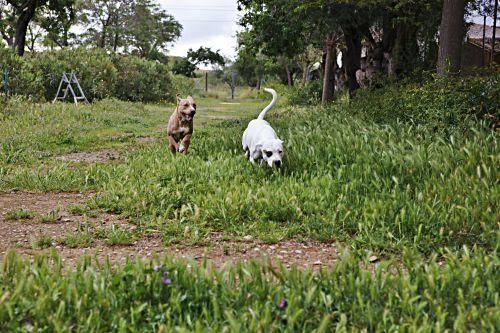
166 280
282 303
166 273
156 268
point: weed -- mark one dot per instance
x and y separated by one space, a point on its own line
116 235
51 217
19 214
41 242
77 239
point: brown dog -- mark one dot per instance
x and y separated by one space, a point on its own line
180 125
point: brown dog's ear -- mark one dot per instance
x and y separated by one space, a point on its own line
190 99
178 97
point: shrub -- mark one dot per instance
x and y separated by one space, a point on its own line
93 67
23 78
142 80
440 104
182 85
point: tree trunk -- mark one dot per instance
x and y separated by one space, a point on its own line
327 95
22 26
484 40
305 72
115 42
495 14
450 37
289 76
353 57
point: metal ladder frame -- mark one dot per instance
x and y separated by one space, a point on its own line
68 79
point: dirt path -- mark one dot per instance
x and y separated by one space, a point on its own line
20 235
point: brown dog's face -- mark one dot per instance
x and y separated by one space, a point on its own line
186 107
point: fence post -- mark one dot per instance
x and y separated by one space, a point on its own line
206 81
233 84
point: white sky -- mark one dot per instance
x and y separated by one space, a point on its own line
208 23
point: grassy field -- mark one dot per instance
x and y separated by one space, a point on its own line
423 196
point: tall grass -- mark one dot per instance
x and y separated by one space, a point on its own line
372 185
460 295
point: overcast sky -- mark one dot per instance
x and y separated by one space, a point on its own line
208 23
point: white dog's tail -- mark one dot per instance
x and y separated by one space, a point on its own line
267 108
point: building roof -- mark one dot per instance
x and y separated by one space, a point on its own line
476 32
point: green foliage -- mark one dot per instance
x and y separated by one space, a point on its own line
309 94
80 238
204 55
41 242
141 80
19 214
439 104
116 235
94 69
184 67
458 294
24 78
51 217
182 85
100 75
139 27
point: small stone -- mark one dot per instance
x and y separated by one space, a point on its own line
317 263
298 251
58 247
256 249
248 238
272 247
283 251
373 259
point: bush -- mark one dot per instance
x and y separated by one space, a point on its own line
93 67
23 78
142 80
182 85
305 95
441 103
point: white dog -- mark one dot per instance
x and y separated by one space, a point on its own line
260 140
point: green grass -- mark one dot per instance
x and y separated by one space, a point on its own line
414 295
51 217
41 242
76 239
378 186
19 214
116 235
371 176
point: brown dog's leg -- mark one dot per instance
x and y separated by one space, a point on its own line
185 142
173 145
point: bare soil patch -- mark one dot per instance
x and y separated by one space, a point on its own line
18 235
91 156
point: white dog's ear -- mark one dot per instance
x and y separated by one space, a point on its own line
178 97
258 146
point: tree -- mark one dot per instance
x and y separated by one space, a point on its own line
7 23
204 55
105 21
57 22
18 15
450 37
150 29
